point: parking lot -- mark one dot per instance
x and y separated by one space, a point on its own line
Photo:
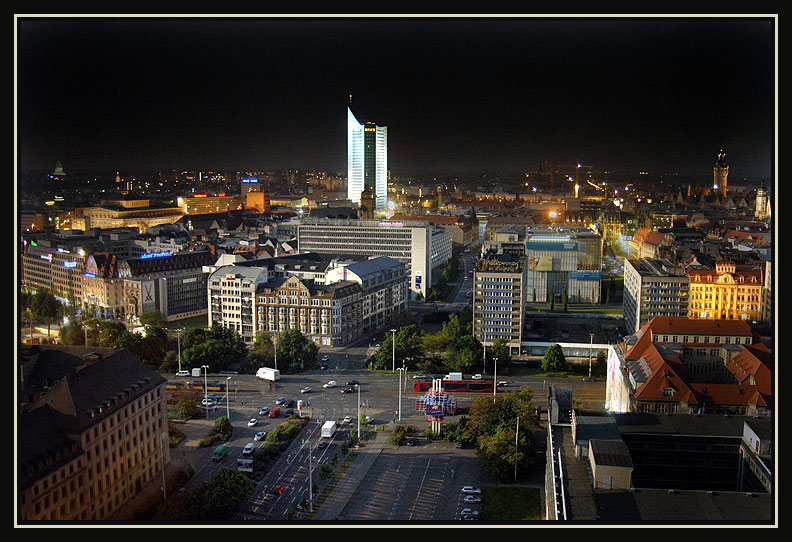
415 483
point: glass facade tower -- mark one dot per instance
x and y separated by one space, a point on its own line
367 159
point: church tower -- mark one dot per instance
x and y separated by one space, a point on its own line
721 174
762 202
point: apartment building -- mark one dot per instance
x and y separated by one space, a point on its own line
355 298
420 246
684 365
499 299
728 291
92 438
564 259
653 287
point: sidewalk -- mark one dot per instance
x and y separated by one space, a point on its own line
336 501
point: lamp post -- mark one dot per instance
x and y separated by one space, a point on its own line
178 345
358 415
228 410
162 463
591 343
206 393
85 329
495 380
394 349
402 370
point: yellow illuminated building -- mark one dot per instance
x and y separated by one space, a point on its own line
728 291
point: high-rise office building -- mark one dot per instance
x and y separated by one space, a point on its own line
367 158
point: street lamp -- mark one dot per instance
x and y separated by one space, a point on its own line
178 345
495 380
162 462
591 343
206 393
402 371
228 410
394 350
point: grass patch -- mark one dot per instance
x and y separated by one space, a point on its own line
504 503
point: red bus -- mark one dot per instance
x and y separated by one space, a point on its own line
456 385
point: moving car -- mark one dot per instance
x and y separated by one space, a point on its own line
322 444
183 373
410 441
369 419
306 389
420 376
260 435
277 490
471 490
248 449
208 402
502 384
477 376
252 422
331 384
325 358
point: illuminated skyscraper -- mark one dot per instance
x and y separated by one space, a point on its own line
367 158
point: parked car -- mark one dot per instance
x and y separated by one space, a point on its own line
410 441
248 449
420 376
347 390
280 400
183 373
471 490
353 383
347 418
322 444
369 419
274 413
471 499
260 435
252 422
306 389
277 490
289 403
263 411
468 512
502 384
331 384
325 358
477 376
208 402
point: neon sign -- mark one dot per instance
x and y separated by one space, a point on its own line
70 264
151 255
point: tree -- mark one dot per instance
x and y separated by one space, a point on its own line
500 350
46 308
409 349
227 491
296 351
220 348
551 299
554 359
152 317
264 348
564 299
467 354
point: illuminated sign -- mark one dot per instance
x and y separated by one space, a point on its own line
90 275
70 264
199 196
47 257
151 255
391 224
250 180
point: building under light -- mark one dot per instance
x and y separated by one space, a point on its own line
367 158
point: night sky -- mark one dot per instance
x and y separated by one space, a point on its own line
459 96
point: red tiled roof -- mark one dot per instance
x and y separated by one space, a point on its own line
680 325
754 360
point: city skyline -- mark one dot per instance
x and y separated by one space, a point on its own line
460 96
